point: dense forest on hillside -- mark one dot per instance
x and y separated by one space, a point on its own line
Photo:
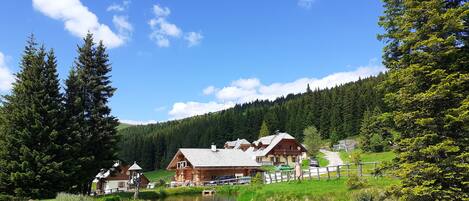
336 112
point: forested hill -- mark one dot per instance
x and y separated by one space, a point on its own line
336 112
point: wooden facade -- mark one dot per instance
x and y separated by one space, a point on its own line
187 174
286 151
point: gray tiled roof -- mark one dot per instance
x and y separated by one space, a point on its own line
237 143
219 158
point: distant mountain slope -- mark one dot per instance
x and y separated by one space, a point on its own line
336 112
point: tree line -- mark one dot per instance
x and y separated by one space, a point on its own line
55 140
337 113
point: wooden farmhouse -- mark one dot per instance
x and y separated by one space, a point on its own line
242 144
281 148
201 166
116 179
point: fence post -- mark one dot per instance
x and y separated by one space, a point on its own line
360 168
309 171
288 175
338 171
374 170
270 177
281 175
348 169
319 176
275 175
328 173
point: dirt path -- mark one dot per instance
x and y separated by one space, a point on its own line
332 157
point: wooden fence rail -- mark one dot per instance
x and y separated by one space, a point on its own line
339 171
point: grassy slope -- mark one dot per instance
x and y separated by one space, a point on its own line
155 176
333 190
370 156
123 125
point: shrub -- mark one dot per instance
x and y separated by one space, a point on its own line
8 198
72 197
356 157
257 180
356 182
110 198
369 194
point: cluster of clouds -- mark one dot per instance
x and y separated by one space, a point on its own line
163 30
6 77
306 4
250 89
79 20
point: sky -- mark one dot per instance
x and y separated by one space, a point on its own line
173 59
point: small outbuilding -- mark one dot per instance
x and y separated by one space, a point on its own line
116 179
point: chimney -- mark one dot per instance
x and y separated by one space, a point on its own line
214 147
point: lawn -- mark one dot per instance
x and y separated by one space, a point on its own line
370 156
323 162
156 175
311 190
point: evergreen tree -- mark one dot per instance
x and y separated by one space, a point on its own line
88 91
32 141
264 130
427 54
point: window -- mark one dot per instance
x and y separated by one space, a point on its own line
121 184
293 159
181 165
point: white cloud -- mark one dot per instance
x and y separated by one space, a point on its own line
119 7
251 89
193 38
306 4
163 30
138 122
6 77
209 90
182 110
122 25
161 11
79 20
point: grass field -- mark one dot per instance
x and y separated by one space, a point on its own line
323 162
123 125
156 175
307 190
370 156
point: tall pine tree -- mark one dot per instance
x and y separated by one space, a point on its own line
427 53
88 91
31 142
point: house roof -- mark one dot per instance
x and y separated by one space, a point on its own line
271 141
237 143
135 167
220 158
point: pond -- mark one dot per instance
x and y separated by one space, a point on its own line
216 197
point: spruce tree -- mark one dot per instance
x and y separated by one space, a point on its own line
88 91
31 142
427 55
264 130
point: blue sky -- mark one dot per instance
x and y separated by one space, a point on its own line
174 58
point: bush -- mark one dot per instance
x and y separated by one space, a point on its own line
369 194
8 198
72 197
356 182
257 180
110 198
377 143
356 157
